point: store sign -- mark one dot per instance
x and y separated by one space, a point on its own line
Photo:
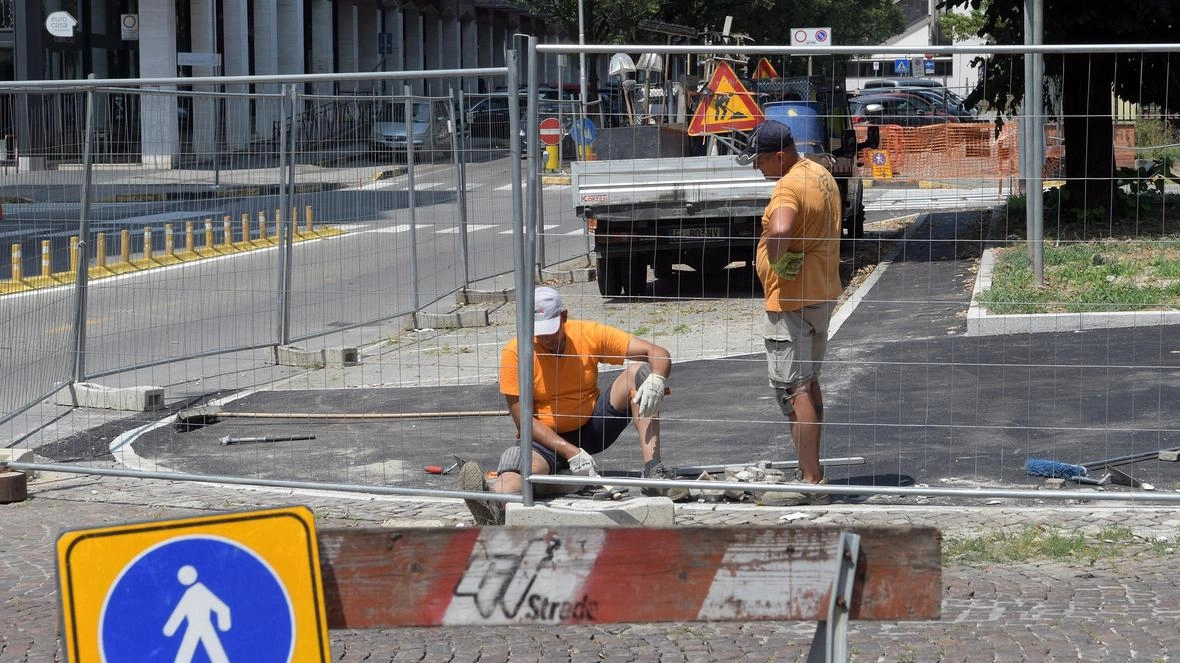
60 24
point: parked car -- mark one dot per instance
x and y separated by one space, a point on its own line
432 133
898 108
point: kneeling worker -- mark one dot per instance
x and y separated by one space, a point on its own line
573 420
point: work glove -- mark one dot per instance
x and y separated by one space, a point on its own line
583 464
789 265
649 394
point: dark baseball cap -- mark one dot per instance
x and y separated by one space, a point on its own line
770 136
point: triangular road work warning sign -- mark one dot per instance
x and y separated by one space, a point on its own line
729 106
764 70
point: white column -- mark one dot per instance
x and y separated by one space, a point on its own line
322 43
159 135
470 51
395 25
203 122
236 62
452 51
289 21
266 63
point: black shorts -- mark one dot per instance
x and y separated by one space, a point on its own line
605 426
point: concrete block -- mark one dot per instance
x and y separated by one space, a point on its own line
293 355
466 296
575 275
132 399
581 512
454 320
341 357
1170 456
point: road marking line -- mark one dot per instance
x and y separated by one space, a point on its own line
470 228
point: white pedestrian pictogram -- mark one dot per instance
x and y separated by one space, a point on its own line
195 607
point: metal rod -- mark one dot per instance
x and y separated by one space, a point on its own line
532 140
82 276
270 483
197 412
1036 198
412 200
899 49
416 74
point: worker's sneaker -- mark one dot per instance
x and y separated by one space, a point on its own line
664 474
794 498
485 512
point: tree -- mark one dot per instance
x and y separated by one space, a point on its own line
1087 79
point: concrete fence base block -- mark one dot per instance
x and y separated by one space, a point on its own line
91 395
19 455
467 296
581 512
337 357
14 487
476 317
575 275
293 355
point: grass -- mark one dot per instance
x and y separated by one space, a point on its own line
1081 277
1036 542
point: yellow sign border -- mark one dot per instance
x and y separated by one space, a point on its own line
118 545
700 125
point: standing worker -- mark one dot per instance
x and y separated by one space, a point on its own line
798 262
572 419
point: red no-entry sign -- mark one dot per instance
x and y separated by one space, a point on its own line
550 129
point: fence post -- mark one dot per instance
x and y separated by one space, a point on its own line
286 177
246 228
16 266
147 243
413 201
308 215
227 230
460 181
533 209
100 250
82 275
209 235
262 222
190 244
169 242
125 246
46 270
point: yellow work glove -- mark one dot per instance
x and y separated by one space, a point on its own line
789 265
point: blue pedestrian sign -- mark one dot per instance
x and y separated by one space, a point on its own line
928 67
901 66
222 589
584 132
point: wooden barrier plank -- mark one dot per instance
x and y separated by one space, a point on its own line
377 578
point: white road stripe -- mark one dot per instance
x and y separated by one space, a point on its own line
547 229
471 228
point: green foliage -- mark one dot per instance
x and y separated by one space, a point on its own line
1038 542
1158 136
961 26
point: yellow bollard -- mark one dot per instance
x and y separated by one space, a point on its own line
262 227
551 160
100 250
190 242
209 235
16 266
45 257
169 241
308 215
227 229
74 256
124 246
278 224
245 227
147 243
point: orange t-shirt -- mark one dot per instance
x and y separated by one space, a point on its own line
566 386
809 189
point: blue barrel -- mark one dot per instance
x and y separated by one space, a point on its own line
805 121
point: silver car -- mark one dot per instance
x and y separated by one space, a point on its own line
430 129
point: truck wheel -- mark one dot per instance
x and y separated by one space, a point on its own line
636 276
856 213
610 276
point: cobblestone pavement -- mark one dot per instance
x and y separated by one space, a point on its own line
1118 608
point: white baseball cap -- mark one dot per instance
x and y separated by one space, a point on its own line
547 308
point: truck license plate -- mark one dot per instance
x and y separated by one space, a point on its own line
696 232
